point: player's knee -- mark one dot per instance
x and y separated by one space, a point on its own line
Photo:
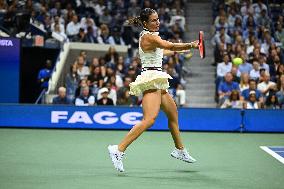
150 121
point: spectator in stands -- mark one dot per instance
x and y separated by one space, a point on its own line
274 67
252 44
245 67
279 72
72 81
223 68
267 87
105 37
232 17
178 19
252 102
131 72
61 33
267 42
221 13
125 99
217 38
271 56
174 82
247 8
264 20
99 7
252 87
112 93
82 70
44 75
233 101
258 7
134 9
116 36
56 10
112 81
80 37
95 80
82 83
262 63
105 18
85 56
180 98
95 62
254 73
280 92
73 27
102 63
225 88
118 79
255 55
222 23
109 73
56 21
279 34
236 74
111 57
237 28
104 100
120 66
272 102
85 98
88 22
244 83
62 97
90 37
122 97
262 73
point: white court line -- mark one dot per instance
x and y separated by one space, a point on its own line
273 154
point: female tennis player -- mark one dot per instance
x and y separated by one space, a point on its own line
153 85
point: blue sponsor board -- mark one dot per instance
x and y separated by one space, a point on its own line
111 117
9 69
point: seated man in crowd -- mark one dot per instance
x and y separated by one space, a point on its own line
226 87
267 86
61 98
85 98
252 87
223 68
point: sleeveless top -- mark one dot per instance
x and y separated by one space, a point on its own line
150 59
252 105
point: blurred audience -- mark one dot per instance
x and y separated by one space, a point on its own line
253 32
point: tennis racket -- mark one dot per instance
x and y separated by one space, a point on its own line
201 44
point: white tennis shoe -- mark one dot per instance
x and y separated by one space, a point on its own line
116 157
182 155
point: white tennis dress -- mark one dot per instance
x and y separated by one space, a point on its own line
152 76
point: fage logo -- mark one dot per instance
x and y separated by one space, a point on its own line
103 117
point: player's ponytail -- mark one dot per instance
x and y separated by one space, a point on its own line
144 17
136 21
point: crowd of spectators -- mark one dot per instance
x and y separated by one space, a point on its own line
249 41
100 22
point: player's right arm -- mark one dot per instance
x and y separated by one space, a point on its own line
151 42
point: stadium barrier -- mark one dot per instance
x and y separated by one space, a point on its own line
111 117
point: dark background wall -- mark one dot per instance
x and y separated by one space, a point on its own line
33 59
